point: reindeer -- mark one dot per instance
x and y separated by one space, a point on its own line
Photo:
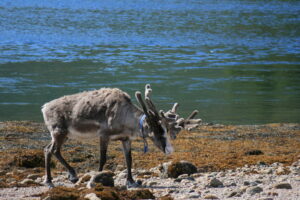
108 114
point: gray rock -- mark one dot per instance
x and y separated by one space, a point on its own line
282 170
196 175
194 196
237 192
215 183
295 170
33 176
211 196
152 183
232 194
246 183
91 196
183 176
282 186
47 198
253 184
104 177
27 181
232 184
221 174
11 180
254 190
266 171
188 178
84 178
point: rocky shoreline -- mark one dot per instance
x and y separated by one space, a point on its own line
221 162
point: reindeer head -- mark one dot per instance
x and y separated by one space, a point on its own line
176 124
155 126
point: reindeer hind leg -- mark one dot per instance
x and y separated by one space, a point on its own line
48 155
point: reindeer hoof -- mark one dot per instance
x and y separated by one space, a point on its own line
72 178
133 184
49 184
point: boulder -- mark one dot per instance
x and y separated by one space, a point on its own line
175 169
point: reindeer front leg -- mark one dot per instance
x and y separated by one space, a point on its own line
103 150
127 153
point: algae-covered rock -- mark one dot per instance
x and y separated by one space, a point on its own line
107 193
139 194
175 169
254 152
104 177
30 159
61 193
166 197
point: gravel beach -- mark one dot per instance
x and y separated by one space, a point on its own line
267 169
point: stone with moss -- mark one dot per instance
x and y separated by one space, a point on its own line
175 169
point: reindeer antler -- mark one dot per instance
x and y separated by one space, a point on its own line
190 123
176 123
171 118
148 100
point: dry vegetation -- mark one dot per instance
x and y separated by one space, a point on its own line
210 148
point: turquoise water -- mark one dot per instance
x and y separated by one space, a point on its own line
237 62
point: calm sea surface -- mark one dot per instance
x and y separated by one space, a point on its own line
237 62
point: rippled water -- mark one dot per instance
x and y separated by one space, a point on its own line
235 61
